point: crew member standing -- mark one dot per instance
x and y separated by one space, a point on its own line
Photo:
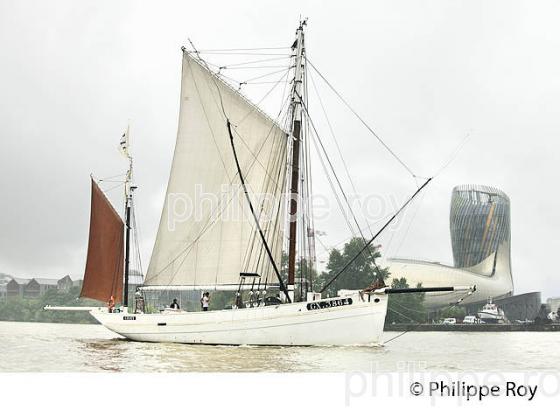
111 304
205 301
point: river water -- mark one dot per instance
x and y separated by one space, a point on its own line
49 347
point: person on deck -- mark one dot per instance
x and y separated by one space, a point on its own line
111 304
205 301
139 302
174 305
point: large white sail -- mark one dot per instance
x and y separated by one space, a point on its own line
207 235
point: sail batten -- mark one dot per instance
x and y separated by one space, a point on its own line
103 277
206 234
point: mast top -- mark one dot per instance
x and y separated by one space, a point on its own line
299 48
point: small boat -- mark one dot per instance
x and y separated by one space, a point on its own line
228 147
491 313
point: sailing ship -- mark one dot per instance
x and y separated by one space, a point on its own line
228 147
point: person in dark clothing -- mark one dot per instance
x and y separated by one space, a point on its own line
174 305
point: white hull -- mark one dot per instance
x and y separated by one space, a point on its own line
358 322
489 317
490 313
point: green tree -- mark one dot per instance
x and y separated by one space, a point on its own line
359 274
405 307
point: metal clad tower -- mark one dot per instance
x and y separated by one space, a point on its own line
479 223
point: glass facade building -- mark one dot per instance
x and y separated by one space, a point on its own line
480 239
479 223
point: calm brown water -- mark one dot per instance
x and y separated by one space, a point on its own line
47 347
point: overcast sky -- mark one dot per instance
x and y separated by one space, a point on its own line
423 74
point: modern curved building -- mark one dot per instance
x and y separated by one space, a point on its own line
479 221
480 237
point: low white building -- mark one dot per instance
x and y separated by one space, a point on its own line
492 278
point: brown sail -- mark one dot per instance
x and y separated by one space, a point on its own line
103 277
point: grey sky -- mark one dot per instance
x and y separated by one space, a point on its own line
422 73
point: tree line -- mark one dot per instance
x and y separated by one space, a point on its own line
31 310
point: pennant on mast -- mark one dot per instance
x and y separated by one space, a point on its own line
123 144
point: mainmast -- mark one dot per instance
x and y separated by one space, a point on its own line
296 103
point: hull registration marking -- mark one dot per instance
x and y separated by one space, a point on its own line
325 304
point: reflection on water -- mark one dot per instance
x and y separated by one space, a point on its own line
105 354
91 348
122 355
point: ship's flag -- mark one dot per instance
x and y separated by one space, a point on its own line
123 145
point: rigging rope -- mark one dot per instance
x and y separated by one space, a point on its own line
340 187
265 244
362 120
262 60
244 53
454 154
331 129
412 219
242 49
376 235
284 70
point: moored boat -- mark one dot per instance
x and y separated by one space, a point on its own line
491 313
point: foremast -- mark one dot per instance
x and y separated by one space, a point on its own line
296 109
128 192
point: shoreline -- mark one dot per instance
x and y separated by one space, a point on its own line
550 327
487 327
